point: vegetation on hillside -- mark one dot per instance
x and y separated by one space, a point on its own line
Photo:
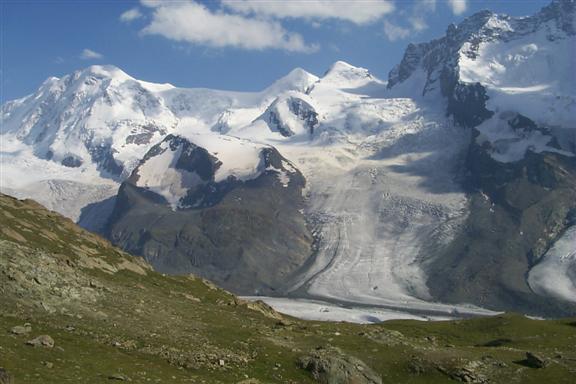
106 316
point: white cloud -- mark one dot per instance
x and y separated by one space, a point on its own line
194 23
88 54
413 20
152 3
395 32
458 7
425 6
130 15
358 12
417 23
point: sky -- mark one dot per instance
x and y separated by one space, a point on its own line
241 45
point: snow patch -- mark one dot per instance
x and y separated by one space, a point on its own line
555 275
324 311
159 175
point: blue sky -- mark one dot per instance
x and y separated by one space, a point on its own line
225 44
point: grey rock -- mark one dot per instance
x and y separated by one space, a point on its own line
45 341
536 361
5 377
541 191
246 236
298 107
21 329
72 162
467 372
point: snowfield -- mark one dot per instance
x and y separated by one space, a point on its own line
555 274
237 158
522 76
59 188
324 311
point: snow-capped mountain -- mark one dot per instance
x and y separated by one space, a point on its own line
511 81
449 182
292 113
103 116
226 208
493 67
188 172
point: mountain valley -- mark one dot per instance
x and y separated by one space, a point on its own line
449 188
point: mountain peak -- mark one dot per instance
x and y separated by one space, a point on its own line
103 71
343 67
340 65
344 74
555 21
298 72
297 79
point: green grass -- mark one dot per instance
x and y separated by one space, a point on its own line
175 329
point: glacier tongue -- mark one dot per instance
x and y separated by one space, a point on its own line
376 201
555 274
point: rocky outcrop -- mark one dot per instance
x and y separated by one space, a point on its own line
5 377
332 367
534 360
246 235
520 175
517 211
439 59
290 115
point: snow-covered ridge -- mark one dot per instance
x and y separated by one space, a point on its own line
180 164
102 115
439 58
523 66
214 158
291 113
342 74
526 67
95 125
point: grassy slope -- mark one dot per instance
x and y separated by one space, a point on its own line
109 313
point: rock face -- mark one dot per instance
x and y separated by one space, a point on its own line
5 378
521 165
291 114
517 212
245 233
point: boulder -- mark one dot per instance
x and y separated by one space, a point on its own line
45 341
328 367
535 361
21 329
5 377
